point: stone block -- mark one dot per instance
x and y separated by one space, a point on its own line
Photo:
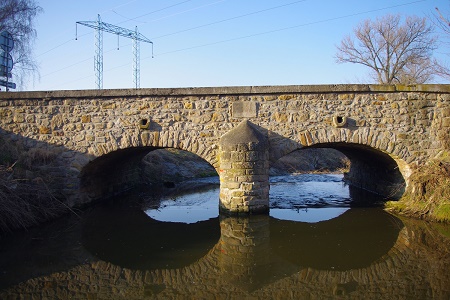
445 112
252 156
44 130
446 122
242 147
188 105
85 119
238 156
280 117
19 118
109 105
244 109
30 119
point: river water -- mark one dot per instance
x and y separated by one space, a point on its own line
321 240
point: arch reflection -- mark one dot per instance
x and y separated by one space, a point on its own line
352 240
127 237
244 249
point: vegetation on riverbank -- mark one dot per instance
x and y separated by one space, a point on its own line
23 202
428 196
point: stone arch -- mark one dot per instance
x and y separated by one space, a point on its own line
155 137
382 140
379 161
110 174
190 141
115 172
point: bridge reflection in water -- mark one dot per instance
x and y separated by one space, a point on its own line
365 253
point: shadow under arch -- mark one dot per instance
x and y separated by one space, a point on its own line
371 169
112 173
121 170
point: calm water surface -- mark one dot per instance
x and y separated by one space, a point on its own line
321 240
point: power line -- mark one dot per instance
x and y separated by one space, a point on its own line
68 41
118 6
56 47
184 11
112 9
285 28
79 62
185 30
155 11
268 32
229 19
106 27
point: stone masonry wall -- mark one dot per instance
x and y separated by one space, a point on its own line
409 123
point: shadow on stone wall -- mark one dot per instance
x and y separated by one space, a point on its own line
371 169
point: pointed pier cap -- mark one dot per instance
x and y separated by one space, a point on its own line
245 133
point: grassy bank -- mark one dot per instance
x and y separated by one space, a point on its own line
428 196
23 202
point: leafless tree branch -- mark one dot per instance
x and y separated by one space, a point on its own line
442 21
395 51
17 17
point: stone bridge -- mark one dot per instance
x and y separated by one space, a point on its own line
93 140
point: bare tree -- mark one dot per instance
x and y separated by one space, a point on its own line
17 17
442 22
395 52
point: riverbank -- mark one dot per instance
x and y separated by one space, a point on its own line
25 199
428 196
25 203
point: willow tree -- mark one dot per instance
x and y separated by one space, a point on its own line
17 18
395 51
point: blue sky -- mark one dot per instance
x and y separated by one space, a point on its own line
208 42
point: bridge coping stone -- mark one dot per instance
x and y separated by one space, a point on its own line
228 90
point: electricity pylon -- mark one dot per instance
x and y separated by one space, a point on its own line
98 59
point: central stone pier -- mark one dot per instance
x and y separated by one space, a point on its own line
244 170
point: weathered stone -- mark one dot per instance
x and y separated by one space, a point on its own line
189 105
85 119
446 122
233 170
405 124
44 130
244 109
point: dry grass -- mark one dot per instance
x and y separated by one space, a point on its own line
23 202
38 156
429 194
